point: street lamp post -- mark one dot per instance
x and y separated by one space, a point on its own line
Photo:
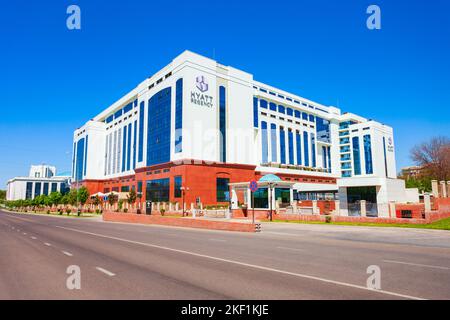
270 200
183 191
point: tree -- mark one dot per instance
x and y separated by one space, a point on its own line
83 195
72 197
96 201
434 157
55 198
112 199
2 195
131 197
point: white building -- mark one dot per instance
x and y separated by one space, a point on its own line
202 125
41 180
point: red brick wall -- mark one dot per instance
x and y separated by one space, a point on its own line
179 222
442 205
416 210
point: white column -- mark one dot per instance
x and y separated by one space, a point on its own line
435 188
443 189
427 202
363 208
337 204
392 212
249 198
315 209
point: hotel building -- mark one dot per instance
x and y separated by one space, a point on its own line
197 126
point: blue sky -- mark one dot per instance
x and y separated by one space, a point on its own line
54 79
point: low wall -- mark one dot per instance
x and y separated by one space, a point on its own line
180 222
442 205
417 210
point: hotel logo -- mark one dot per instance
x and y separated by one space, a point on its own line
200 98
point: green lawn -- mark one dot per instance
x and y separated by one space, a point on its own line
443 224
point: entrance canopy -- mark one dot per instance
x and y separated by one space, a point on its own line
281 193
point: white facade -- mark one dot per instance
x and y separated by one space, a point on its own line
41 180
42 171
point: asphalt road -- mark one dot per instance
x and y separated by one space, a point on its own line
284 261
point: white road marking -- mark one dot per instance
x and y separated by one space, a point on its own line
417 264
25 233
34 238
219 240
299 275
67 253
293 249
109 273
47 244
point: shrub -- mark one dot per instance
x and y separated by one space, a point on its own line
68 211
328 219
48 211
97 211
162 211
125 210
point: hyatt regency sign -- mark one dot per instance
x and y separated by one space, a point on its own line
201 98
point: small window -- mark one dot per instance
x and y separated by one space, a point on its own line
222 189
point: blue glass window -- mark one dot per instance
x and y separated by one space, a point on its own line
264 146
304 116
273 106
37 189
313 149
356 156
368 154
282 146
45 188
177 183
306 148
273 141
129 148
29 190
158 190
297 114
54 187
323 130
281 109
179 116
110 119
86 154
158 136
291 146
324 157
134 143
79 160
263 103
124 148
311 118
141 131
299 147
222 123
385 158
222 189
255 112
128 107
289 111
118 113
